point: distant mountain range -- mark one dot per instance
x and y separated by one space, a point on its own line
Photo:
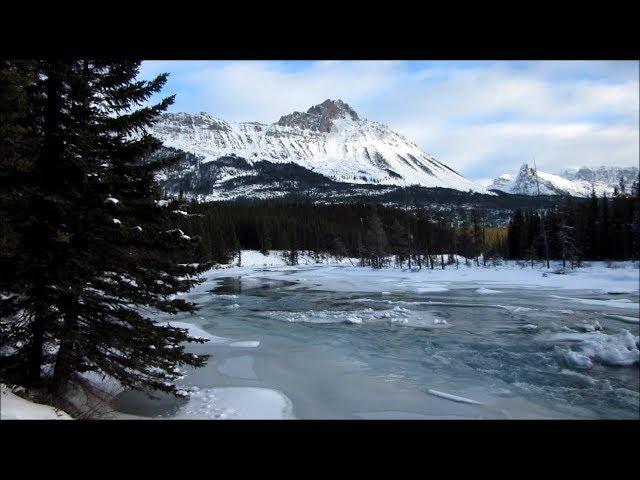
578 183
327 144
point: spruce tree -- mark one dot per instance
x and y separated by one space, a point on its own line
376 240
108 245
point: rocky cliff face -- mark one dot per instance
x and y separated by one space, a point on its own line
319 117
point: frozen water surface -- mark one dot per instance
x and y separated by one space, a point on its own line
319 341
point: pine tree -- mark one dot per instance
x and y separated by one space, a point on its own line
478 233
292 253
376 240
339 249
265 239
399 242
107 246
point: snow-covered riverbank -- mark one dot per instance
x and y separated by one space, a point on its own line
14 407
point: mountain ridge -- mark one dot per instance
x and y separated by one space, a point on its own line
329 138
578 183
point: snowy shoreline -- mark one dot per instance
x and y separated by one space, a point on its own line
602 277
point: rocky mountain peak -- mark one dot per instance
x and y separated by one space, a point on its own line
319 117
331 109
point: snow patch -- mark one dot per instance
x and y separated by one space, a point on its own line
237 403
13 407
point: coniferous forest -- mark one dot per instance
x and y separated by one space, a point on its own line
378 235
420 236
596 229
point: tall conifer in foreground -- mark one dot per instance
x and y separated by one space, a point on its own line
130 238
114 264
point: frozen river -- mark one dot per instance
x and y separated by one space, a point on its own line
320 342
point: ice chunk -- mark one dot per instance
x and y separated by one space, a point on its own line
245 344
455 398
619 349
576 359
486 291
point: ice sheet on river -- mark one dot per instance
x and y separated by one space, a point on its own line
621 303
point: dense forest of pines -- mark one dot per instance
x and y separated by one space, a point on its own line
596 229
419 236
575 229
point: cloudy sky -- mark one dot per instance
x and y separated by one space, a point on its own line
482 118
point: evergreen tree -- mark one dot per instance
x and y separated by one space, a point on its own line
376 240
265 239
339 249
399 242
103 243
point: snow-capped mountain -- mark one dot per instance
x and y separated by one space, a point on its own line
605 175
329 139
578 183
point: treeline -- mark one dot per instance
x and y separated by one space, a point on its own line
88 248
373 233
597 229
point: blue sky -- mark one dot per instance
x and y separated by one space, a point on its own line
482 118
